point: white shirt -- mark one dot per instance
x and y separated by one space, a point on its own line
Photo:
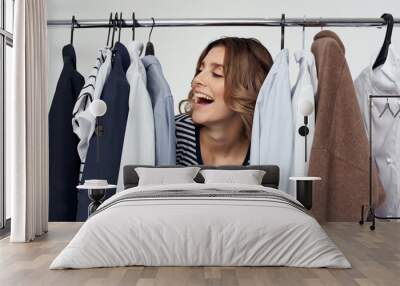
304 89
272 131
83 122
384 80
139 141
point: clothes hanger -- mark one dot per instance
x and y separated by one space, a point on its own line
133 26
121 21
149 45
114 28
387 107
283 31
381 59
110 23
115 21
398 111
73 21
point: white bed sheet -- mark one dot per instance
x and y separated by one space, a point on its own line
200 231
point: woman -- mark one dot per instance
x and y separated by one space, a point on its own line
217 128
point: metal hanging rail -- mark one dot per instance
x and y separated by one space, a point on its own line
212 22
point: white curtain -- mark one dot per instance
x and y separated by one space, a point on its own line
27 123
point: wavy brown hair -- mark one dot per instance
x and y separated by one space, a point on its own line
246 65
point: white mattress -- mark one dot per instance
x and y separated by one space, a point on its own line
190 230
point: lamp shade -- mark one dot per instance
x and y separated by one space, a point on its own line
98 108
306 107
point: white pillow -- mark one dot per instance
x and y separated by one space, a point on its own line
248 177
163 176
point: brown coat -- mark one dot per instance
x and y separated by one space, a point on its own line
340 152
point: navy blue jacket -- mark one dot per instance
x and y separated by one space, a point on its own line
64 160
116 95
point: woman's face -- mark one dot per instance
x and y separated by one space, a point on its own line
208 87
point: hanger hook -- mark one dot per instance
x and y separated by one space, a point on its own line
115 21
133 26
73 21
383 53
389 23
283 31
152 27
121 21
110 21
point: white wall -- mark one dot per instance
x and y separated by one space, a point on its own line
179 48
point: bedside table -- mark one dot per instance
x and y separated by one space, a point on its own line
304 189
96 195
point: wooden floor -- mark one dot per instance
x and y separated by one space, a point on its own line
374 255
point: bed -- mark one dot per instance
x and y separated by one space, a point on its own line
199 224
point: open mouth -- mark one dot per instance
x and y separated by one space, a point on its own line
203 99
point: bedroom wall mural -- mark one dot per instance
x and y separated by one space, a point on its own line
240 110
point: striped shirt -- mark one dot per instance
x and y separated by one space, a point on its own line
83 122
81 116
187 142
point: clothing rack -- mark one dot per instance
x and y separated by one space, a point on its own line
208 22
371 208
214 22
254 22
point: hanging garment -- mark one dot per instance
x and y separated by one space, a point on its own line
139 142
384 80
63 157
108 146
304 89
272 131
339 154
83 121
163 109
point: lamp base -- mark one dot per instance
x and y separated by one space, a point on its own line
96 197
303 130
304 193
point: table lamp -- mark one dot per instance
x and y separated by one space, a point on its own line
305 108
98 108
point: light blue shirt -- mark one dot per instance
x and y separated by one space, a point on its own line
272 131
163 109
139 141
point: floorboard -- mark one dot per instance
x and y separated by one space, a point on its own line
374 255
